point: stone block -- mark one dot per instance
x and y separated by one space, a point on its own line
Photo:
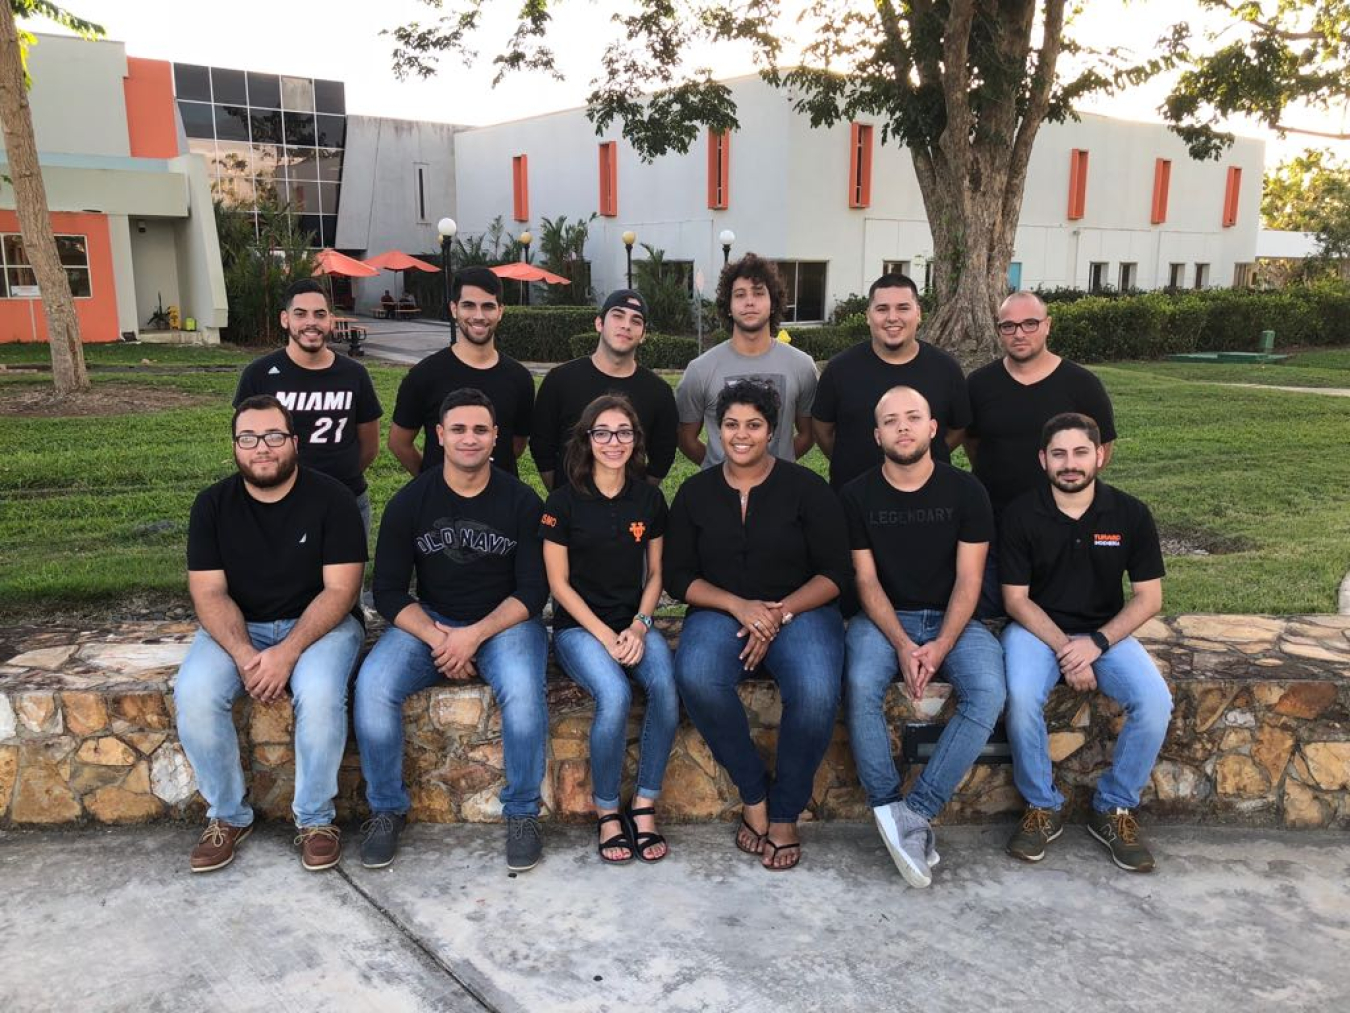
171 777
689 790
1238 775
145 743
457 709
85 713
431 803
271 722
1303 807
1065 744
570 749
1210 703
1329 764
1316 652
273 754
118 805
490 753
573 788
107 751
1271 750
49 659
38 713
1235 738
9 769
1176 782
484 807
139 712
43 793
9 722
1306 699
139 779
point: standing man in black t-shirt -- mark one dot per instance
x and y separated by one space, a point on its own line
1011 399
330 396
919 530
611 369
470 532
275 557
842 416
1063 551
473 362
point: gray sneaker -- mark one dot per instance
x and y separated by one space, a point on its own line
524 843
906 835
381 839
931 855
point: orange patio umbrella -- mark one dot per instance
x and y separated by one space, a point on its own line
332 262
522 271
397 260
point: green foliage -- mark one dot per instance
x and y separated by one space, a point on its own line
666 288
258 267
848 308
1311 193
543 333
562 250
657 351
27 9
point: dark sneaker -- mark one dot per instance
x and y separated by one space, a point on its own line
320 847
381 841
1039 827
524 843
906 835
215 848
1119 831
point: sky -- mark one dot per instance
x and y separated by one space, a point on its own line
342 40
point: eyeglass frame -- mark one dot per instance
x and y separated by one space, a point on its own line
610 435
261 438
1013 326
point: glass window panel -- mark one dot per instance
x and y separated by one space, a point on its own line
787 270
267 161
299 128
328 198
4 286
330 230
237 191
234 158
266 127
79 282
330 97
21 276
297 93
13 246
73 251
302 163
228 86
231 123
198 120
310 225
811 290
330 165
332 131
303 196
192 82
264 90
205 147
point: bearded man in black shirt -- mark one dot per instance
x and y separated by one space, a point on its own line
275 557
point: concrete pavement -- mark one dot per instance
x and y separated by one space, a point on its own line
1233 919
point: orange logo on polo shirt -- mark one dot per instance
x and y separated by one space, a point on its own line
637 529
1106 541
549 521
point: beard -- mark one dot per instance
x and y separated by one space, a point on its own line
474 339
913 457
285 468
1073 483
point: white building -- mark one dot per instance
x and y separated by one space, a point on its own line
1108 202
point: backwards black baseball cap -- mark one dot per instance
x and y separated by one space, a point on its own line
628 299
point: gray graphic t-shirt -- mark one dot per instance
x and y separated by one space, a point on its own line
790 370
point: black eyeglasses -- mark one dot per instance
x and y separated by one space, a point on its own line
605 435
1027 326
273 438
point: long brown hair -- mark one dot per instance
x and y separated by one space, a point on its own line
579 460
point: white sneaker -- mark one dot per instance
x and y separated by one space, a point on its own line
931 855
906 835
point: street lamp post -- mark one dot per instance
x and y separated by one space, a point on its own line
525 240
447 228
726 238
629 238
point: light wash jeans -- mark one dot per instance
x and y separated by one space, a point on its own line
806 660
974 667
204 693
588 663
1127 675
512 663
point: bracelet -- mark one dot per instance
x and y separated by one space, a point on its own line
788 617
644 619
1099 641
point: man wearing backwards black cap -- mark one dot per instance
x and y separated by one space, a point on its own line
611 369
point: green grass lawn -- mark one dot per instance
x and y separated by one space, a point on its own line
121 354
1322 367
96 508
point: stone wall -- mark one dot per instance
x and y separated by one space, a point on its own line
1260 735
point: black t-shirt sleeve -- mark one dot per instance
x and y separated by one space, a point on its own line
368 407
344 535
408 401
1146 560
531 582
544 435
679 557
826 533
660 515
394 559
1014 550
855 515
203 551
977 519
1099 406
826 404
555 524
662 441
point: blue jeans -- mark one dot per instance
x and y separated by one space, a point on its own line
208 683
806 660
1127 675
513 663
588 663
974 667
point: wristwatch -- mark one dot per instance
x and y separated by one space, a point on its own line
644 619
1099 640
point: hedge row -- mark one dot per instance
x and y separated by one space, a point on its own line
543 333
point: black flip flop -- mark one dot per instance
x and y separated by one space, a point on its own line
782 847
619 840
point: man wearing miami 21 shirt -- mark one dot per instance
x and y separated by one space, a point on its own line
330 396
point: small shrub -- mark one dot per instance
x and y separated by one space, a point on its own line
543 333
657 351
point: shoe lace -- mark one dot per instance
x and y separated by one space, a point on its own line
1126 826
379 823
520 824
214 834
1036 821
306 833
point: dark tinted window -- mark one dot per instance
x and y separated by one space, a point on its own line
299 128
264 90
330 230
330 97
231 123
332 131
228 86
311 225
330 165
197 119
266 127
192 82
301 163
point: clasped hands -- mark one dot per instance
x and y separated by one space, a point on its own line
453 654
266 673
919 663
760 622
1075 663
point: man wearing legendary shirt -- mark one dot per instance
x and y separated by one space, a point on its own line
275 557
842 416
330 396
919 530
470 533
611 369
474 362
1063 551
750 300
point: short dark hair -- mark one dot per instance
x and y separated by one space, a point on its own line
1070 420
892 279
758 394
751 267
478 277
466 397
304 286
262 402
579 458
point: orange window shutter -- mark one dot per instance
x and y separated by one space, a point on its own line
520 188
860 165
609 179
1232 189
1162 178
1078 168
719 157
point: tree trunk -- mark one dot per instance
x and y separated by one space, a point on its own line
30 200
